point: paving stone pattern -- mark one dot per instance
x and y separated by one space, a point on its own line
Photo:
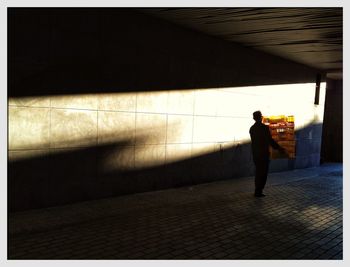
300 218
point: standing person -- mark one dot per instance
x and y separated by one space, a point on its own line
261 140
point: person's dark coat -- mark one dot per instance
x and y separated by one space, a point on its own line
261 140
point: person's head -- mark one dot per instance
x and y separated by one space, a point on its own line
257 116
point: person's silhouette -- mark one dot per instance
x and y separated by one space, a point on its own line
261 140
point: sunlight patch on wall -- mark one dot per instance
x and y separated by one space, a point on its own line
153 128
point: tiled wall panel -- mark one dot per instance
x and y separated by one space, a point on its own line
73 128
29 128
108 144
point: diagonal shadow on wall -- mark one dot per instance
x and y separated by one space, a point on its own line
79 175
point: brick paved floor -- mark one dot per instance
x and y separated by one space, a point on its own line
300 218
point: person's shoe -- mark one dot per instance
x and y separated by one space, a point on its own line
259 195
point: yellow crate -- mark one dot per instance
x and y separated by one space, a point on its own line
279 118
290 118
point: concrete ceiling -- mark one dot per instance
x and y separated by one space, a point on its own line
311 36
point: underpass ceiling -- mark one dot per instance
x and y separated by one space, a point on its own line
311 36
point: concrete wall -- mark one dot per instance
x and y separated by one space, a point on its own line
114 102
332 139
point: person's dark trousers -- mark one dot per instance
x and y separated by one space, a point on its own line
261 170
